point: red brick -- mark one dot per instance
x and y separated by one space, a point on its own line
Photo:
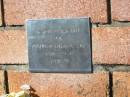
61 85
2 83
12 47
16 11
121 84
111 45
120 10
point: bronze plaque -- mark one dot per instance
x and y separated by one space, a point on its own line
59 45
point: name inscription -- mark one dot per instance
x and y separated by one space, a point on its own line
58 46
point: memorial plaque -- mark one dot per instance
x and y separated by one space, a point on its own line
59 45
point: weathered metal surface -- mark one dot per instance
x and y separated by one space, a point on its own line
59 45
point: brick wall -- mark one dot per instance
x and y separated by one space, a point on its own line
110 41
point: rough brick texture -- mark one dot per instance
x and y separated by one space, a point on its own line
110 48
12 47
121 84
111 45
1 82
120 10
61 85
16 11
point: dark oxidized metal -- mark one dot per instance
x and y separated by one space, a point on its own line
59 45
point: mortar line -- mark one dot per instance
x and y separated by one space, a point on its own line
110 84
3 13
109 13
6 82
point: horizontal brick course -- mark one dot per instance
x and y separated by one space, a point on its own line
61 85
110 46
17 11
120 10
121 84
2 83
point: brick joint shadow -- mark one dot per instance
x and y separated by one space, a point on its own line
33 93
2 13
